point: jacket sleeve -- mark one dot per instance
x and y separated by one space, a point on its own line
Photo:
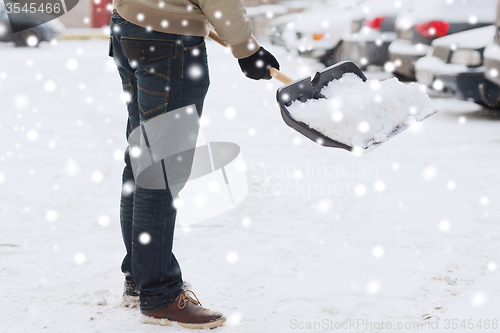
230 21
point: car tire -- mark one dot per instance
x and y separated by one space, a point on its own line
30 38
339 53
334 55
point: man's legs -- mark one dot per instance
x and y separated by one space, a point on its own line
148 216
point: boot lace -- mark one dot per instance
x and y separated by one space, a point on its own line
184 298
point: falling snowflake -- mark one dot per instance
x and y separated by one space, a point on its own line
323 206
430 172
49 86
234 319
72 64
363 127
128 188
444 225
492 266
478 299
97 176
51 215
379 186
71 168
232 257
389 66
230 112
32 135
178 203
373 287
485 201
451 185
103 220
360 190
337 116
195 72
144 238
135 151
438 85
21 101
80 258
246 221
378 251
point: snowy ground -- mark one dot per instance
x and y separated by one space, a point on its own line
406 234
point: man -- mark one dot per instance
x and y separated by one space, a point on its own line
156 44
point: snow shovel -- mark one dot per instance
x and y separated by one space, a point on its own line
305 89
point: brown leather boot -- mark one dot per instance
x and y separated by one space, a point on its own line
185 311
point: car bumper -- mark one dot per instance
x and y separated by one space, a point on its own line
492 63
367 52
404 55
452 80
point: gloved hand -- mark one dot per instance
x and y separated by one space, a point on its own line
258 64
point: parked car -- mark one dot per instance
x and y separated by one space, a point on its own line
317 33
372 30
425 20
490 91
30 37
454 65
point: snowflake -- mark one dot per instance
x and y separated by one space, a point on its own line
144 238
430 172
379 186
378 251
97 176
444 225
246 221
373 287
80 258
72 64
103 220
49 86
232 257
360 190
32 135
230 112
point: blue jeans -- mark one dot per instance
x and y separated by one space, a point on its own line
160 72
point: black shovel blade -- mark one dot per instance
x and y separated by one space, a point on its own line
305 89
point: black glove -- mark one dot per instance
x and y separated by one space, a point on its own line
258 64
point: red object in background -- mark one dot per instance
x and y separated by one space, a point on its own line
101 14
375 23
433 29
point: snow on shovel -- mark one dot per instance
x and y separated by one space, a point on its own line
339 108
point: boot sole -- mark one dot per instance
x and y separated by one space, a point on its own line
166 322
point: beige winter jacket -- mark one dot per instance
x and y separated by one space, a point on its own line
191 17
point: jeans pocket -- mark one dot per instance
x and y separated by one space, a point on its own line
152 60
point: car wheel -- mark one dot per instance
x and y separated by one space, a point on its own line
28 38
327 58
339 53
334 55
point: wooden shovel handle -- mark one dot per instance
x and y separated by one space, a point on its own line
274 72
280 76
